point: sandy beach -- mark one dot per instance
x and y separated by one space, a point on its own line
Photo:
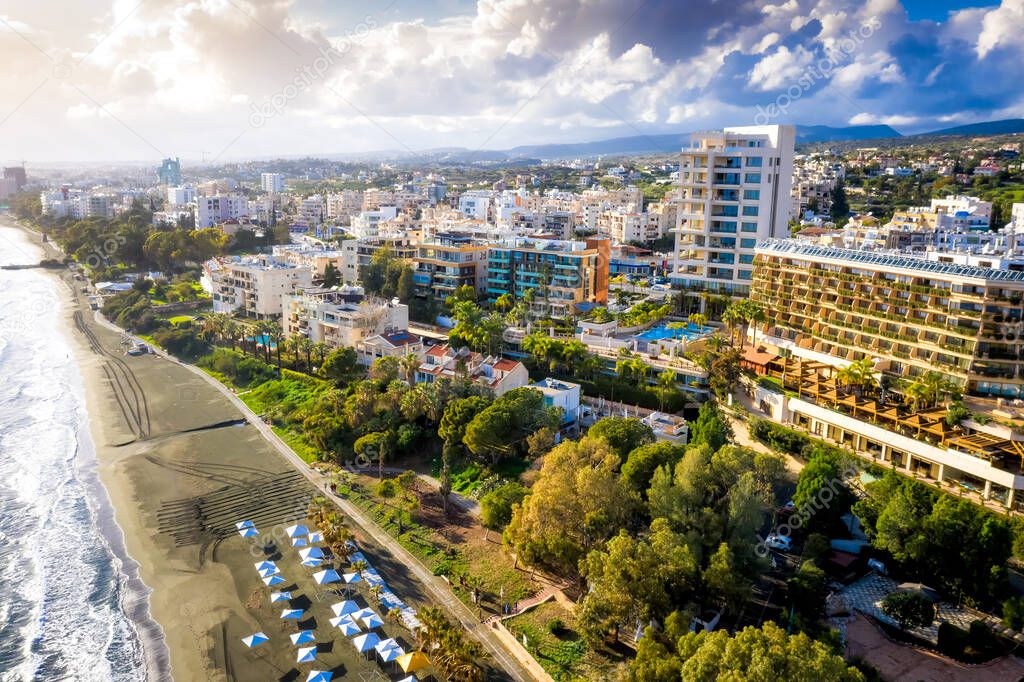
181 466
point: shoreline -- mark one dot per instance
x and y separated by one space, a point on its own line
134 593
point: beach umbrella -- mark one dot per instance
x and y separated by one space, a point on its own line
299 542
371 621
352 578
391 654
318 676
327 576
303 637
245 524
311 553
312 563
413 661
279 596
347 626
248 532
272 580
292 614
296 530
267 572
263 565
344 608
388 643
316 536
364 643
411 678
255 639
306 655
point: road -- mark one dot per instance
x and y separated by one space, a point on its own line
435 586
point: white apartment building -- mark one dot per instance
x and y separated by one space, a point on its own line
272 182
735 191
331 317
180 197
219 208
366 225
476 204
253 286
342 206
625 227
313 210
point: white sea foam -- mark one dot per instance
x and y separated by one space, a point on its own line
61 584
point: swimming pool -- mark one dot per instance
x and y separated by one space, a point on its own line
690 332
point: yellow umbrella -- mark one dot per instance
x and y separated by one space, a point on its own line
412 662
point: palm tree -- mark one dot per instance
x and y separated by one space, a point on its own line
697 319
589 366
666 382
321 349
732 317
408 364
640 370
305 346
758 317
574 353
359 566
232 331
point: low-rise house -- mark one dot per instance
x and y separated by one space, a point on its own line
563 394
500 375
392 344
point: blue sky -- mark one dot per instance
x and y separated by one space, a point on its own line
257 78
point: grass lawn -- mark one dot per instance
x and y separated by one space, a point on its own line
178 319
296 442
453 547
562 653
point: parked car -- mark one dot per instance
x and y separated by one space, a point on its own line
775 541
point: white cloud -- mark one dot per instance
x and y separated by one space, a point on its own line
780 68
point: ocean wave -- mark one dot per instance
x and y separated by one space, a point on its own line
61 584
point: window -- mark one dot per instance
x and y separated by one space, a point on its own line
746 258
750 211
749 227
754 161
745 274
752 194
748 243
753 178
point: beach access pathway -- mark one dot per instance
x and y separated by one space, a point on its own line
505 657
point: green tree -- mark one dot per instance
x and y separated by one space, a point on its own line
711 427
340 366
331 277
457 416
643 461
623 434
496 506
765 653
633 580
577 502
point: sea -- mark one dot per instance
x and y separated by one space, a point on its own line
67 585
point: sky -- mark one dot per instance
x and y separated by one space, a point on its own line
131 80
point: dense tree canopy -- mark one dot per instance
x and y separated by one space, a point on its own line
623 434
577 502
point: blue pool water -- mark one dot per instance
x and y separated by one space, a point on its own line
662 331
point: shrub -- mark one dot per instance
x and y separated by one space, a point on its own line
181 343
1013 613
908 609
556 626
979 635
951 640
